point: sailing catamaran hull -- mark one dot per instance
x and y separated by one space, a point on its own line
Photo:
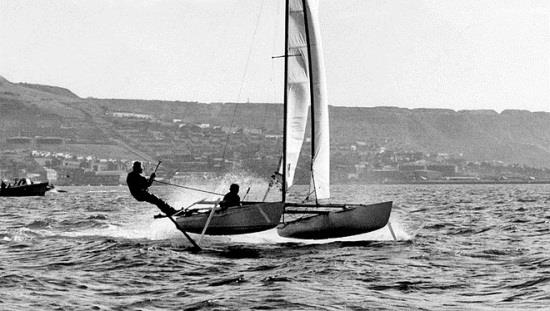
354 219
251 217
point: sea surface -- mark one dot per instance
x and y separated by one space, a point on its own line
458 247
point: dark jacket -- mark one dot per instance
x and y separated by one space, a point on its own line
230 199
138 184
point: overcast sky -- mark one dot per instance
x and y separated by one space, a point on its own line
467 54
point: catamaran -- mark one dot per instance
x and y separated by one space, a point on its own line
304 94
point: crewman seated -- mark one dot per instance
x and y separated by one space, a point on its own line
231 198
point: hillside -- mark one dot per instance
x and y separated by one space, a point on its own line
512 136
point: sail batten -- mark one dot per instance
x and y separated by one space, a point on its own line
305 88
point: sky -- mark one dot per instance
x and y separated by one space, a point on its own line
468 54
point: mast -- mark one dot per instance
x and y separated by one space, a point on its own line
311 94
285 100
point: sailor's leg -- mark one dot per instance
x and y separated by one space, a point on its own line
163 206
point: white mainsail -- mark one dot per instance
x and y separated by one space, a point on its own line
321 139
301 92
298 95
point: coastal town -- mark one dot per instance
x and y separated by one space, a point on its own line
191 151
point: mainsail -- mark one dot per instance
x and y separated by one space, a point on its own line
306 88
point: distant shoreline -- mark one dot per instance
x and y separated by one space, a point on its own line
466 182
432 182
443 182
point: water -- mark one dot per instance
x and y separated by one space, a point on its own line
465 247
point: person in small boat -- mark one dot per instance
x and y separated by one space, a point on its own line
22 182
231 198
138 185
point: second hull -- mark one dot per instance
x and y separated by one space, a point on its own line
354 219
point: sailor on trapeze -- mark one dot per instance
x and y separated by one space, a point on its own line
138 185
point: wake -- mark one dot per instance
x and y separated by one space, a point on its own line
143 226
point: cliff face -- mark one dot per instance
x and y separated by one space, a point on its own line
513 136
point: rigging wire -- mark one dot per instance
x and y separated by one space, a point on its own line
228 137
273 87
274 61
